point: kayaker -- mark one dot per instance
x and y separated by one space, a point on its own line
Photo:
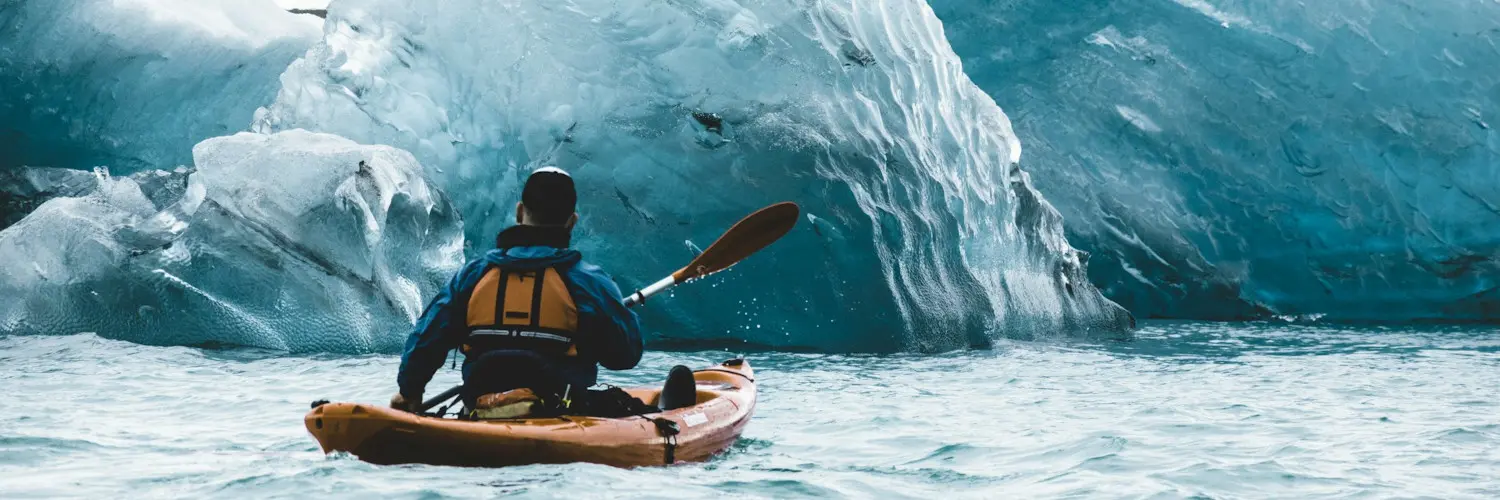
528 314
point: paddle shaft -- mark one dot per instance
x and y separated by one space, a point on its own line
640 296
440 398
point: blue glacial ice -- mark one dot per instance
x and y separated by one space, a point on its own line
295 241
1230 159
1218 159
134 84
679 117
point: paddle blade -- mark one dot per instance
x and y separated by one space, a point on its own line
746 237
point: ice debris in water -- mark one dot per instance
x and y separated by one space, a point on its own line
296 241
680 117
133 84
1232 160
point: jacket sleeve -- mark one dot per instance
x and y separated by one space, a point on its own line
437 331
612 331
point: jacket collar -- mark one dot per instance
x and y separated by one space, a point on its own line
531 236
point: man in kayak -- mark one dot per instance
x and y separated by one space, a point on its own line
529 314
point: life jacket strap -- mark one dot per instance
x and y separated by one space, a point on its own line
522 334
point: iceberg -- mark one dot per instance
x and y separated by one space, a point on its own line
1230 160
295 241
922 233
134 84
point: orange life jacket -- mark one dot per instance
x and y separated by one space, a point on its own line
519 309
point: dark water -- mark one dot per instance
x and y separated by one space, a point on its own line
1184 410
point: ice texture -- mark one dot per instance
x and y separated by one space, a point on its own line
295 241
1231 159
678 118
22 190
134 84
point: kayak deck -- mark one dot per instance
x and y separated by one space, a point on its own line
382 435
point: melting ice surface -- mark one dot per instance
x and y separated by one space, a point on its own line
297 241
1225 159
679 118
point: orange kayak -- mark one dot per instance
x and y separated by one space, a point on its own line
382 435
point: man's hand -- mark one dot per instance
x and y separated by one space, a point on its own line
400 402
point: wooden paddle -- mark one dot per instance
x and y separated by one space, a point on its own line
745 237
749 235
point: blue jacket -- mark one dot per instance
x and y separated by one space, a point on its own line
609 332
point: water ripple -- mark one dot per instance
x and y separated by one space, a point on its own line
1185 410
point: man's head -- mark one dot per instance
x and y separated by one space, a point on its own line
548 199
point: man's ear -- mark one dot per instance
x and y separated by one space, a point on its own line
572 221
520 213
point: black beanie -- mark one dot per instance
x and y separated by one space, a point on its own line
549 196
